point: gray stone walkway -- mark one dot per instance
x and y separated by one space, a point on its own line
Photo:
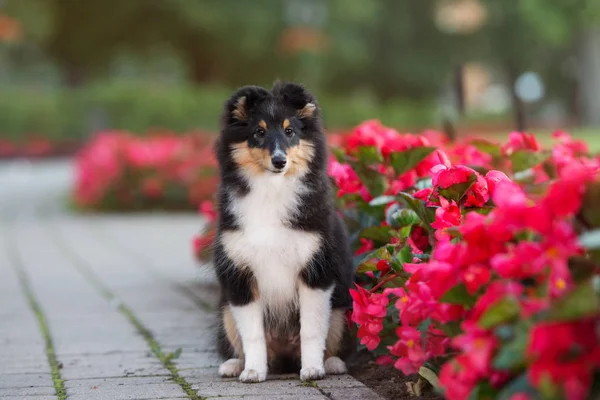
113 306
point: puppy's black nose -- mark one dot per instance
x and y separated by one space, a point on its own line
278 161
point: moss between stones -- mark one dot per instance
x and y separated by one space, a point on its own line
96 282
58 382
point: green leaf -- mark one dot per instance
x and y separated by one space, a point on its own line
376 233
501 311
451 329
381 200
373 180
581 302
339 154
517 385
486 146
511 356
483 391
366 266
525 159
590 212
405 217
582 268
426 214
590 240
459 295
423 327
404 161
369 155
424 184
405 255
458 191
430 377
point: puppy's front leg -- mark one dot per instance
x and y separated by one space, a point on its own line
315 309
249 321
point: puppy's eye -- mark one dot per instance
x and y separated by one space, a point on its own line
289 132
260 133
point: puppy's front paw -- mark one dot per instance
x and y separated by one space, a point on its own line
335 366
312 373
253 376
231 368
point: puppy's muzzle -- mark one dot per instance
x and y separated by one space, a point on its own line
279 161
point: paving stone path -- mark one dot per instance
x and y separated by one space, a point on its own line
112 306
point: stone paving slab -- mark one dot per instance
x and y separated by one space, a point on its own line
119 293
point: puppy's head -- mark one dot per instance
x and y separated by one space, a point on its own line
271 132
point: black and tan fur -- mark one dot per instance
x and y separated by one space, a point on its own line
280 244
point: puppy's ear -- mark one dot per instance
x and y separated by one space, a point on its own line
241 103
298 97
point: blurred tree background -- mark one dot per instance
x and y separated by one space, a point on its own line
71 67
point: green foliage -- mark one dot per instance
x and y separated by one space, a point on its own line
142 106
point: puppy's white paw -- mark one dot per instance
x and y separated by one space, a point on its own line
253 376
231 368
312 373
335 366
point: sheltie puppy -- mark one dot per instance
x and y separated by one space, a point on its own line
281 253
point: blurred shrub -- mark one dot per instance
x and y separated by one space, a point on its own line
140 107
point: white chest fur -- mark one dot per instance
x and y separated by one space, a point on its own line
274 252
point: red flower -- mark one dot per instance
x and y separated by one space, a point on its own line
458 378
444 177
420 238
446 216
208 211
383 266
152 187
409 350
478 347
520 141
493 177
565 353
203 242
478 194
346 180
366 246
367 305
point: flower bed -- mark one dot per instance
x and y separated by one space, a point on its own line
120 171
36 148
477 263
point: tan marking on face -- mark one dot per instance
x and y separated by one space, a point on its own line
286 123
239 111
262 124
254 161
337 325
232 333
307 111
299 157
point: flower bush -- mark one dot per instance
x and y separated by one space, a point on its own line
120 171
477 263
